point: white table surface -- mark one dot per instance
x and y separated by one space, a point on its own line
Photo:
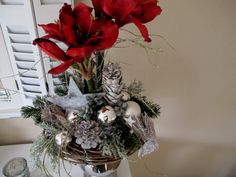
23 150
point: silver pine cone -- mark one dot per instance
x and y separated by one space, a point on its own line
88 134
112 83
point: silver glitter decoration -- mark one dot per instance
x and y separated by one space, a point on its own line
143 127
149 137
73 100
148 147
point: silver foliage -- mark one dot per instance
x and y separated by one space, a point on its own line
143 127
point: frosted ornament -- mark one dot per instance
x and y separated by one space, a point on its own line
72 116
125 96
63 138
107 114
133 109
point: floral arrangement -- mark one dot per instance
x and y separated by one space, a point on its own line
94 114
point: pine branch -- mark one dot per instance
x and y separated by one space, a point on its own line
112 143
46 144
152 109
32 112
135 88
132 142
61 90
39 102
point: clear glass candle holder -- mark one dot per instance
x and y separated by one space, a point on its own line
16 167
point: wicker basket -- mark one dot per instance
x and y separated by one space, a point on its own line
76 155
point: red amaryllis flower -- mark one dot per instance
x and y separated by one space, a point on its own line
82 33
52 50
103 35
99 13
131 11
83 18
67 23
63 29
52 30
98 33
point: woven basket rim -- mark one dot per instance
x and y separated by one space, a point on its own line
76 155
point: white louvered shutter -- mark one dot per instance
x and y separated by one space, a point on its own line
10 101
47 11
19 29
18 20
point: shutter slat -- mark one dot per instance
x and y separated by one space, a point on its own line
32 89
20 38
24 57
26 65
15 29
27 73
12 2
47 2
30 81
23 48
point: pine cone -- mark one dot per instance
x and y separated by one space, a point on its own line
112 83
88 134
54 114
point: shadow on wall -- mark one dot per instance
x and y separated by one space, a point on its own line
17 131
186 159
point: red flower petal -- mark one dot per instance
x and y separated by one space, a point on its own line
66 8
97 6
109 32
143 30
119 9
80 53
50 48
80 7
83 17
52 29
148 11
67 23
61 68
145 1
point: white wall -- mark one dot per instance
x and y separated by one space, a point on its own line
195 85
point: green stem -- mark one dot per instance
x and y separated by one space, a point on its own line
90 85
99 68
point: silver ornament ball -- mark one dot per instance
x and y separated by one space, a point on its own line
63 138
72 116
107 114
133 109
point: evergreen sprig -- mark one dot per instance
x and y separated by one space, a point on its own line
112 143
44 144
135 88
132 142
62 88
152 109
34 111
